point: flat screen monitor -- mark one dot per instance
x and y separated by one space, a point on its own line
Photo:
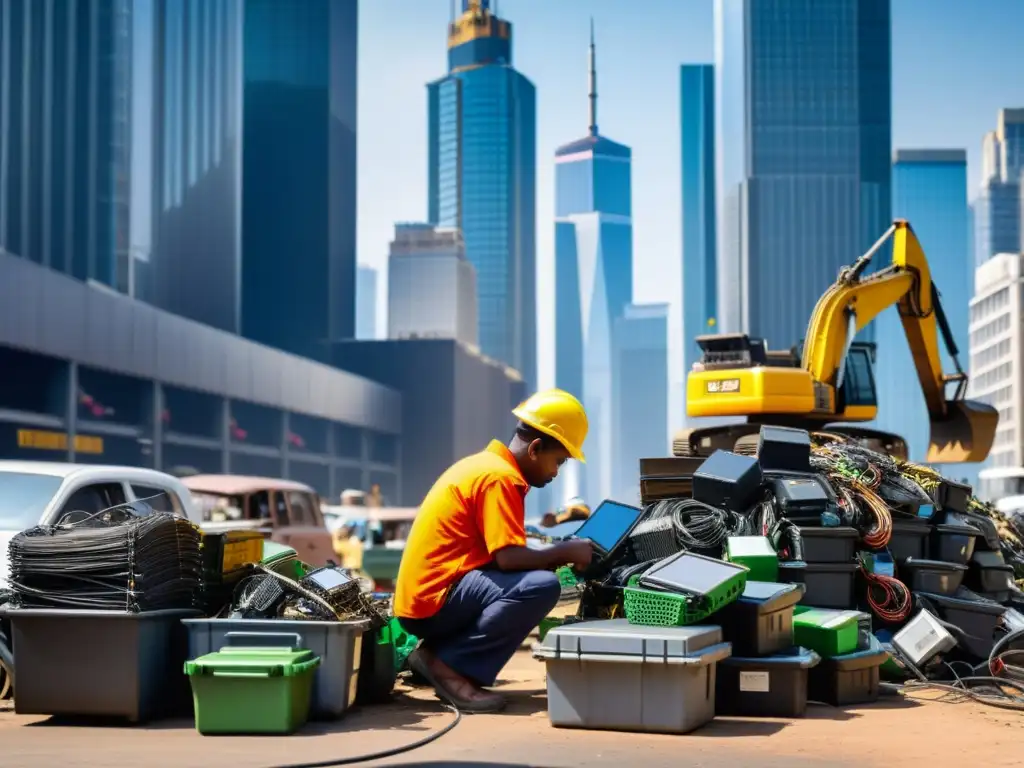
609 524
689 573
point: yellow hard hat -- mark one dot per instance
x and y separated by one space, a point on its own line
557 414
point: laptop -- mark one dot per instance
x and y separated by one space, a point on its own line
607 528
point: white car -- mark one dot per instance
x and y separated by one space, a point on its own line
42 492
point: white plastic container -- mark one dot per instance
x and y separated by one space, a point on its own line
923 638
613 675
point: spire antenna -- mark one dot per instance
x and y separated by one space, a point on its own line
593 81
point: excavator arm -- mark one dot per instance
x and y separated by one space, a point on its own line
961 430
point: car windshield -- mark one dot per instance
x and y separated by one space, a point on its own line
23 497
217 508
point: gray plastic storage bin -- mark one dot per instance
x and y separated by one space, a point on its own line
99 663
337 643
619 676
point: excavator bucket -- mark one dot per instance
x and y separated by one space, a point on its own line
965 435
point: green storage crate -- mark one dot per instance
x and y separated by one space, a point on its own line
827 632
252 690
757 554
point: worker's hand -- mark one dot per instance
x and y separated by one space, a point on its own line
579 553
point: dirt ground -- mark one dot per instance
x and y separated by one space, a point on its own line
933 733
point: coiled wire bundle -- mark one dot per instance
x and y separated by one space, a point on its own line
700 526
889 598
856 474
126 558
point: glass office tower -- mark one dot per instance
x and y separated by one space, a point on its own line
997 210
482 178
697 138
299 174
196 246
65 101
929 191
593 280
803 114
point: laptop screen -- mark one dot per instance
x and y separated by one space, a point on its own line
608 524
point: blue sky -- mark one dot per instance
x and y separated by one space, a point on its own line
955 63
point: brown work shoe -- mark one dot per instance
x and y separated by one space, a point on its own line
452 687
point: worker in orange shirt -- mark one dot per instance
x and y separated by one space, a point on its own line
468 586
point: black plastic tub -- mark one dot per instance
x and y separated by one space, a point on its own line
976 617
772 686
377 672
826 585
909 539
847 680
828 545
760 622
953 543
100 663
932 576
989 575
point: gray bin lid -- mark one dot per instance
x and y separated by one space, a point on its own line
619 638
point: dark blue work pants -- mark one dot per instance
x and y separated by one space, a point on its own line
486 618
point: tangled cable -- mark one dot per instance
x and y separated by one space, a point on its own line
856 474
699 525
994 682
888 598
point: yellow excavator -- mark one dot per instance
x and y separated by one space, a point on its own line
829 384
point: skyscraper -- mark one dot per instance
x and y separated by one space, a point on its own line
997 210
366 303
640 394
195 250
431 285
65 87
803 117
697 133
593 278
299 174
482 178
929 189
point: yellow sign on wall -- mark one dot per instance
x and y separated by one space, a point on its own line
44 440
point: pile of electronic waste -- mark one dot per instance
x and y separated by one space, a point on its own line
98 603
827 568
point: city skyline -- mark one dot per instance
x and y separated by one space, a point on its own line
924 114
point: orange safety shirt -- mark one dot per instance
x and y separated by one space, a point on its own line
474 509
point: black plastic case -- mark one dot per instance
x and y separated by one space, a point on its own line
909 539
952 497
728 480
803 498
773 686
828 545
760 622
932 576
847 680
953 543
826 585
976 617
989 574
785 449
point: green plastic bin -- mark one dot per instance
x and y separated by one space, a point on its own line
827 632
756 553
250 691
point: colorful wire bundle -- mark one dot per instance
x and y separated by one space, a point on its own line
888 598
